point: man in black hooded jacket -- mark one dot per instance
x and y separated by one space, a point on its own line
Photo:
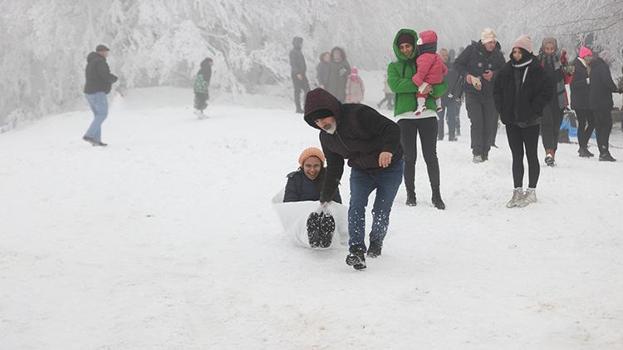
298 70
371 143
98 84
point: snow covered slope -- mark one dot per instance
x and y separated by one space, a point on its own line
167 240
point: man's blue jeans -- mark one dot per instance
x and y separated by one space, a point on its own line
362 182
99 105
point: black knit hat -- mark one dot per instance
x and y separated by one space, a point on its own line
405 38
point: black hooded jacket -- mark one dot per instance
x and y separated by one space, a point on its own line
475 60
362 134
297 60
602 86
97 74
521 91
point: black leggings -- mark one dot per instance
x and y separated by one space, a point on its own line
427 128
518 138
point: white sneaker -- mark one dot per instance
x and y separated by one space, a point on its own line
199 114
518 195
529 197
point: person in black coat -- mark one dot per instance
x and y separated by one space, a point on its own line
298 71
600 99
339 69
521 91
451 100
98 84
580 88
371 143
553 61
305 183
322 69
479 64
202 86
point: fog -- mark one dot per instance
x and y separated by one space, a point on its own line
43 44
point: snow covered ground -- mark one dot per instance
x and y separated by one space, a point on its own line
167 240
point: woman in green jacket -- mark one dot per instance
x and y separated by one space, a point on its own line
399 74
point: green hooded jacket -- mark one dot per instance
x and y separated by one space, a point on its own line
399 74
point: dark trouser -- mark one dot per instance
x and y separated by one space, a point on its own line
586 125
550 126
484 119
451 112
603 125
362 182
427 128
518 138
299 86
201 101
389 99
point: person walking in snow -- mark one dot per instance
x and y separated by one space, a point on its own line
339 70
98 84
354 87
479 63
553 62
601 88
201 87
451 100
431 71
389 95
399 78
298 70
521 90
322 69
305 183
580 88
371 143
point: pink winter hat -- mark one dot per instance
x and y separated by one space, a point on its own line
585 51
524 42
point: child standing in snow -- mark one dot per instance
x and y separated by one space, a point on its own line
354 87
201 86
430 70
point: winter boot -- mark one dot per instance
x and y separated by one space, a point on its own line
549 157
585 153
606 157
411 200
375 249
357 258
436 199
528 198
313 229
518 195
477 159
327 229
485 156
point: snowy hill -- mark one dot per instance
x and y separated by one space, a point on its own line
166 239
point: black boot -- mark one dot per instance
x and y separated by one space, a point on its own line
436 199
375 249
411 200
606 157
357 257
584 152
